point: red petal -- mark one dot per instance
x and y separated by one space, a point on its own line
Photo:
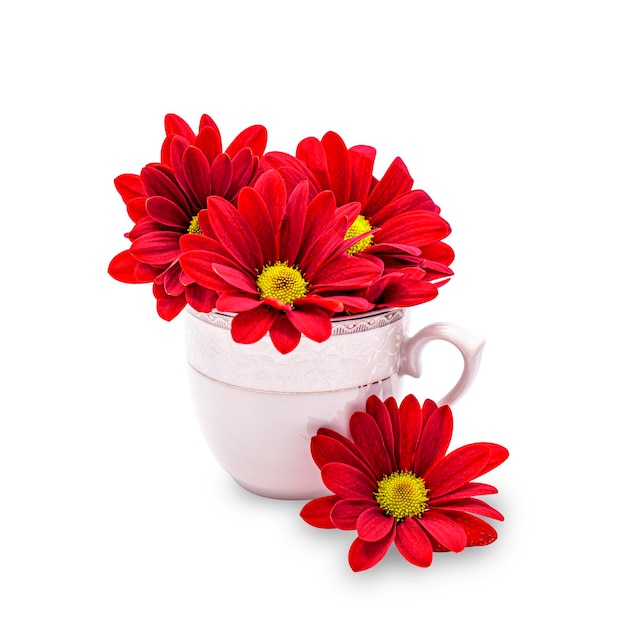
332 305
210 142
157 248
254 137
170 279
250 326
193 241
292 229
129 186
244 165
326 449
353 304
395 182
311 152
167 212
136 208
317 512
271 188
411 429
415 200
234 233
284 335
339 167
374 525
428 409
413 229
198 265
401 291
413 543
238 279
346 273
206 121
328 247
254 212
145 226
347 443
145 273
447 532
471 489
314 322
200 298
456 469
169 307
345 215
435 439
499 454
275 160
175 125
221 175
346 512
470 505
368 438
319 215
236 303
122 268
439 251
277 305
172 152
158 183
292 178
477 531
394 417
365 554
362 162
347 482
197 174
177 146
377 409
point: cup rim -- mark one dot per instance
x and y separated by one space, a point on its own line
340 325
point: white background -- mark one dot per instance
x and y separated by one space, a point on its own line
511 115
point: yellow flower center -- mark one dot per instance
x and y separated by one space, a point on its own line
194 228
402 494
359 226
282 282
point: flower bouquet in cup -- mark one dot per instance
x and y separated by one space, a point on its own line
284 243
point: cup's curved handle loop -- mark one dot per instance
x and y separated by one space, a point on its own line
470 346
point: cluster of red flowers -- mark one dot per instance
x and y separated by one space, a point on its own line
284 242
393 482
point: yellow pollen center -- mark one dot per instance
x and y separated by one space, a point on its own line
282 282
194 228
359 226
402 494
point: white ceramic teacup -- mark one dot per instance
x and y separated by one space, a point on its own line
258 408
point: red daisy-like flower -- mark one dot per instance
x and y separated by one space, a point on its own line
408 224
165 199
394 483
279 262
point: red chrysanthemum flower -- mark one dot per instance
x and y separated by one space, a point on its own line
165 199
394 482
408 224
279 262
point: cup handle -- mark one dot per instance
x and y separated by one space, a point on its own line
470 346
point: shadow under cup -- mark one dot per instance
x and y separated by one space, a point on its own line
258 408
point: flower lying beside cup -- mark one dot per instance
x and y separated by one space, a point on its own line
393 481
